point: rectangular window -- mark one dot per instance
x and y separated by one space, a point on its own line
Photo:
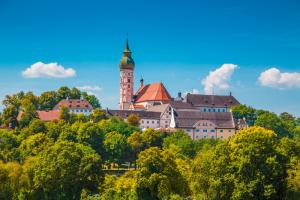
147 122
212 131
205 131
128 80
221 131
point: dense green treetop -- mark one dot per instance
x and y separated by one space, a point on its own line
33 145
66 168
183 141
133 120
115 145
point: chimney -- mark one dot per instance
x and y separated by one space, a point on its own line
230 94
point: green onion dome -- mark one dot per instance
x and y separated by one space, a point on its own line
126 61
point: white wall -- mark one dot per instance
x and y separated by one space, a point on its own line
149 123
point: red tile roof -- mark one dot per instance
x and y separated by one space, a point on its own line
50 115
73 104
153 92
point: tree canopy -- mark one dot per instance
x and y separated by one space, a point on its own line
107 158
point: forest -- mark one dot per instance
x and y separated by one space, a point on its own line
99 157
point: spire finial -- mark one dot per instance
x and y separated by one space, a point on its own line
127 45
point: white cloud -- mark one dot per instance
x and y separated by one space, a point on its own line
218 79
89 88
274 78
195 91
51 70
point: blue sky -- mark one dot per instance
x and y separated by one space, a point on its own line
176 42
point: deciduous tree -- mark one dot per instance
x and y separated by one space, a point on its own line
133 120
115 145
64 169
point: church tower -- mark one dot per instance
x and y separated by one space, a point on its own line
126 78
